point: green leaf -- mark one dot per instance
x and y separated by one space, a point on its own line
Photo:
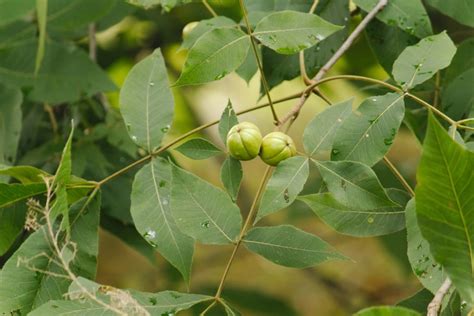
320 132
359 222
63 173
24 174
426 269
230 311
77 14
162 303
286 183
205 26
408 15
444 206
11 10
231 176
354 184
367 134
66 73
12 193
462 61
278 68
167 5
418 302
458 97
203 211
41 16
249 67
12 219
277 5
420 62
460 10
10 123
151 214
288 32
214 55
146 102
198 148
289 246
387 42
387 311
23 289
228 120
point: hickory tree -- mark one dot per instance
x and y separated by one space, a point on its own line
60 178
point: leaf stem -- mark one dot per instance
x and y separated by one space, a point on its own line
247 225
52 118
259 63
209 8
398 175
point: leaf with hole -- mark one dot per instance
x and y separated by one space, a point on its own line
319 134
285 184
445 204
354 184
420 62
408 15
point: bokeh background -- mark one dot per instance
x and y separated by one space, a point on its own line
379 272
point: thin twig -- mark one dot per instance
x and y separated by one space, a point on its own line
204 312
92 42
247 225
52 118
259 63
398 175
350 39
313 6
184 136
344 47
209 8
436 90
435 304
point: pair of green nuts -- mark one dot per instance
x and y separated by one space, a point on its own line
245 142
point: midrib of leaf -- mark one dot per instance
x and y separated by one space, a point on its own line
458 203
207 215
284 30
285 247
339 176
292 179
177 305
216 52
324 138
147 106
155 185
371 125
418 68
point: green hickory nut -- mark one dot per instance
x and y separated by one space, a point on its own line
189 28
277 146
244 140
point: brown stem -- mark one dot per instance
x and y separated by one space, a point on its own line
52 118
209 8
398 175
259 63
435 304
180 138
344 47
92 42
247 225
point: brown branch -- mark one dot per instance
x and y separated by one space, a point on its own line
344 47
435 304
